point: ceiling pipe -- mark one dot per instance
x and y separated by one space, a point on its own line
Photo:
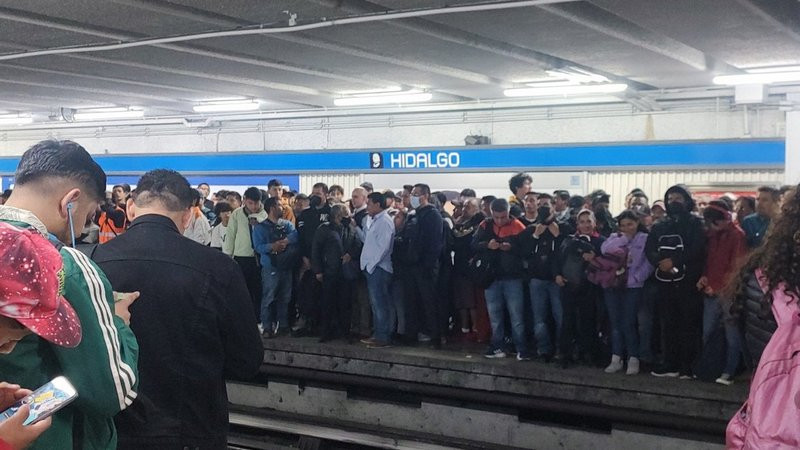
262 29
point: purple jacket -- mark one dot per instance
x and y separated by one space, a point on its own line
639 268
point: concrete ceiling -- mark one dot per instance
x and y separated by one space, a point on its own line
650 44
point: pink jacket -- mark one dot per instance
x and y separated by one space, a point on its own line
770 419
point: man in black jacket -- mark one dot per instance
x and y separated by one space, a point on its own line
676 246
194 321
309 289
333 246
542 241
424 248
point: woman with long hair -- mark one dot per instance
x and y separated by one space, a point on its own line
765 297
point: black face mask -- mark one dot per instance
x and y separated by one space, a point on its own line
676 208
315 201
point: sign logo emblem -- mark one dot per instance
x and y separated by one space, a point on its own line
375 160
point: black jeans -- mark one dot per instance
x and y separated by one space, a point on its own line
335 307
681 311
252 276
579 323
423 307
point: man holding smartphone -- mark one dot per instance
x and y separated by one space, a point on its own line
58 187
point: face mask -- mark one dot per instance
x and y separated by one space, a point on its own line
414 201
675 208
315 201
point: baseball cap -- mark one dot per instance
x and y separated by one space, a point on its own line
31 286
368 186
659 204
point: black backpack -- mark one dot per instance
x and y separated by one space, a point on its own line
287 259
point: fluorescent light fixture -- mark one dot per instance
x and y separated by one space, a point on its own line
549 91
383 99
116 113
385 90
227 106
15 119
758 78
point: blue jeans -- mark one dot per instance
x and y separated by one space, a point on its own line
397 312
713 314
546 300
276 291
381 301
505 295
623 307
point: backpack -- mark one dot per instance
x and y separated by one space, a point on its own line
770 418
287 259
574 266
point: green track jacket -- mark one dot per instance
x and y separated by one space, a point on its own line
102 368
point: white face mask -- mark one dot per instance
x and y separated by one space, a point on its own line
415 201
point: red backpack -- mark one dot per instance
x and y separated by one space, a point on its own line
770 419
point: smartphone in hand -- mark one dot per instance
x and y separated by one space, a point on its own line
45 401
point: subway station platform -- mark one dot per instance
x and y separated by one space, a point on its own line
456 396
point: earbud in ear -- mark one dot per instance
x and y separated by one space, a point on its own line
70 206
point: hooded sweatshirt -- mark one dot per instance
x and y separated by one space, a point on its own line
679 237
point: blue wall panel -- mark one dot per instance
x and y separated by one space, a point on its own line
698 154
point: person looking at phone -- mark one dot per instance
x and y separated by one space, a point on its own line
194 321
58 188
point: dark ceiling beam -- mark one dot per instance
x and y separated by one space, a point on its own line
464 38
782 14
249 82
154 100
106 33
67 73
219 20
605 22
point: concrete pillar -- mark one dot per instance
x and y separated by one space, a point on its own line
792 167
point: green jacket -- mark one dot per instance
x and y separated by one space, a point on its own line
102 368
238 237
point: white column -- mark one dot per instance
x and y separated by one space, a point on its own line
792 165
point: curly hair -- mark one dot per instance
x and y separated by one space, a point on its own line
778 257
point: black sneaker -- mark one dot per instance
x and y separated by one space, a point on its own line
495 353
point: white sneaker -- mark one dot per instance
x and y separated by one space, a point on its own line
260 329
725 379
633 366
615 366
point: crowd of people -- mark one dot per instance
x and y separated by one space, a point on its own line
540 275
172 300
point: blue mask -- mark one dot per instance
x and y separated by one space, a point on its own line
415 201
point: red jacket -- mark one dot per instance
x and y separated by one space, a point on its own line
725 249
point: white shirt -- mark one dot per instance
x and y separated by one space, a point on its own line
378 243
218 235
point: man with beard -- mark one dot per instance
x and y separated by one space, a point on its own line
676 247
